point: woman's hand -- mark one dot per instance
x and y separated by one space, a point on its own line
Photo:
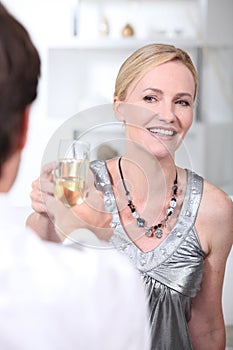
40 220
41 186
90 214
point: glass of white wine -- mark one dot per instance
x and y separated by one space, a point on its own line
71 171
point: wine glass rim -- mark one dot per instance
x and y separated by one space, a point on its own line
66 139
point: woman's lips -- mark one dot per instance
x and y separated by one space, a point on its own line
162 132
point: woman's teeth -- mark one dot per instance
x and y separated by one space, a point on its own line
162 132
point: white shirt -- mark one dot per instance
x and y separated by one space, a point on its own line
54 297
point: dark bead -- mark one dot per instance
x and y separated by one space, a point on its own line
175 188
170 211
132 207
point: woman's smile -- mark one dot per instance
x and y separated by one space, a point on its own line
162 132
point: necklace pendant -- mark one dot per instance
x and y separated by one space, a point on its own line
140 222
159 233
149 233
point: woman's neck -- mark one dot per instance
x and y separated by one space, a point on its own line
141 164
145 181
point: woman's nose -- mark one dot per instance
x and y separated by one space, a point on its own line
167 113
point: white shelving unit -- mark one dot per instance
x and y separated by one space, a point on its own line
76 68
129 43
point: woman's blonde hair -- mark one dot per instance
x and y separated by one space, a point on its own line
144 59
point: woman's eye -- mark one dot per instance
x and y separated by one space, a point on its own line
183 103
149 99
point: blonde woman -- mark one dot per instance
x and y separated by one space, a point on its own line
174 226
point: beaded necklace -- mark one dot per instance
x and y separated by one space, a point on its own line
154 230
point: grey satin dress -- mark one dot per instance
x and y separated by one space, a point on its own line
172 272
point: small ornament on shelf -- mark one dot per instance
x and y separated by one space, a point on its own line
104 27
127 30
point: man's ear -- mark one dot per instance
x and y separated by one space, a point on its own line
24 127
117 109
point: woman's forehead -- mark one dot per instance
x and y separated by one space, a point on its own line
169 73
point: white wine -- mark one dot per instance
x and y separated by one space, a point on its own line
70 182
70 190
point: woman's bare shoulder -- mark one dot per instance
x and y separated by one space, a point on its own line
215 199
216 213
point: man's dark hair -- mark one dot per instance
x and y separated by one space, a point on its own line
19 74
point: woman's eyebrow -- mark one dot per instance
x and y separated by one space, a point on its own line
158 91
182 94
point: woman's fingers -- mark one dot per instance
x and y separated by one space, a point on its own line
39 207
40 188
46 186
47 171
38 201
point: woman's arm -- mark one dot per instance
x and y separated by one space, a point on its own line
43 226
53 221
215 228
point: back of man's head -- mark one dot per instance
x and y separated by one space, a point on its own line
19 74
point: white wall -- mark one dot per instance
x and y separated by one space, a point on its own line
216 21
45 20
227 291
